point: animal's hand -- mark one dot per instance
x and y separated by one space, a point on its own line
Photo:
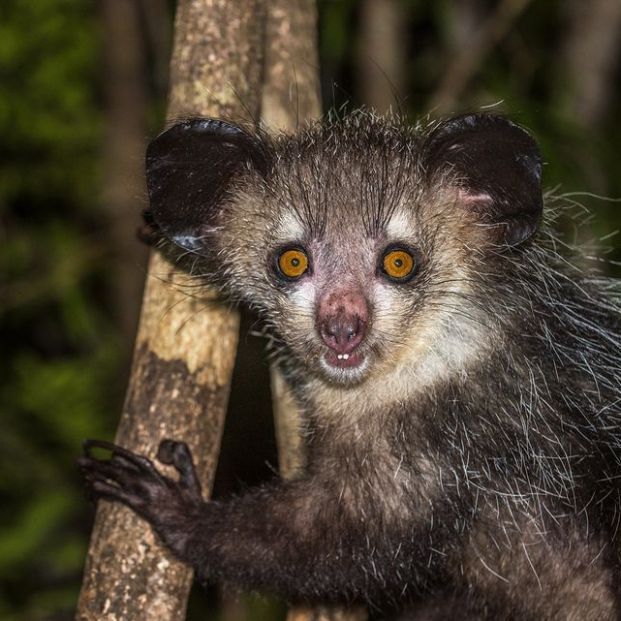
134 481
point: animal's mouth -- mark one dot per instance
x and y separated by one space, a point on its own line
349 360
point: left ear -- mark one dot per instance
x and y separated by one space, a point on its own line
498 169
191 168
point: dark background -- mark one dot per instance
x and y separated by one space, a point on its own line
82 87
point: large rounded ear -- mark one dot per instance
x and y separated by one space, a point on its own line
497 165
190 167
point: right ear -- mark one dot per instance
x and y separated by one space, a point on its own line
190 167
498 165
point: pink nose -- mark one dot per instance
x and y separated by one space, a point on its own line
342 320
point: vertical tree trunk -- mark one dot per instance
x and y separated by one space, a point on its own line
290 98
585 85
185 348
158 33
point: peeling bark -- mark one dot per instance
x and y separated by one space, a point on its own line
185 349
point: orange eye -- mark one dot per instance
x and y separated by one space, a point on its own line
293 263
398 264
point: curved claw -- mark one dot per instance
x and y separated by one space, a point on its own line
141 462
88 444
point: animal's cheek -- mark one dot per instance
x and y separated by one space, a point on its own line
293 311
383 297
397 320
390 307
302 299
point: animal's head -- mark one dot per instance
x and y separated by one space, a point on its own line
359 241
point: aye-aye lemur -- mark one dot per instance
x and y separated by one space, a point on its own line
460 380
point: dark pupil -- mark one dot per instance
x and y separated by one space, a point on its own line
295 262
398 262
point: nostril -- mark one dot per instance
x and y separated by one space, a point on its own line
331 329
328 331
353 328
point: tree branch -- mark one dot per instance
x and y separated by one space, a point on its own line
185 349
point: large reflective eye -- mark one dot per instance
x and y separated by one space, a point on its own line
398 263
292 262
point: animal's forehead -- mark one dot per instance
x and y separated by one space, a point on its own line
346 236
341 158
357 192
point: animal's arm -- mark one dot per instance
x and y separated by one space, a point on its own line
295 538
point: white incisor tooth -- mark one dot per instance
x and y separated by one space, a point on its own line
346 356
339 356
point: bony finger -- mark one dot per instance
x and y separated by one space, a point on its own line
93 469
109 492
120 454
118 460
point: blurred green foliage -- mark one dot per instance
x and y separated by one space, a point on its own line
60 350
62 359
49 116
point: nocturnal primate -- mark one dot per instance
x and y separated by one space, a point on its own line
459 378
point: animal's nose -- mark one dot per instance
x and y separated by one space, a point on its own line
342 320
342 333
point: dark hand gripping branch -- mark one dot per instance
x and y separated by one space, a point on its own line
134 481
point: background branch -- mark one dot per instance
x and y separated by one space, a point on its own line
467 60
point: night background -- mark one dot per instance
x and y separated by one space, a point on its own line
83 86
